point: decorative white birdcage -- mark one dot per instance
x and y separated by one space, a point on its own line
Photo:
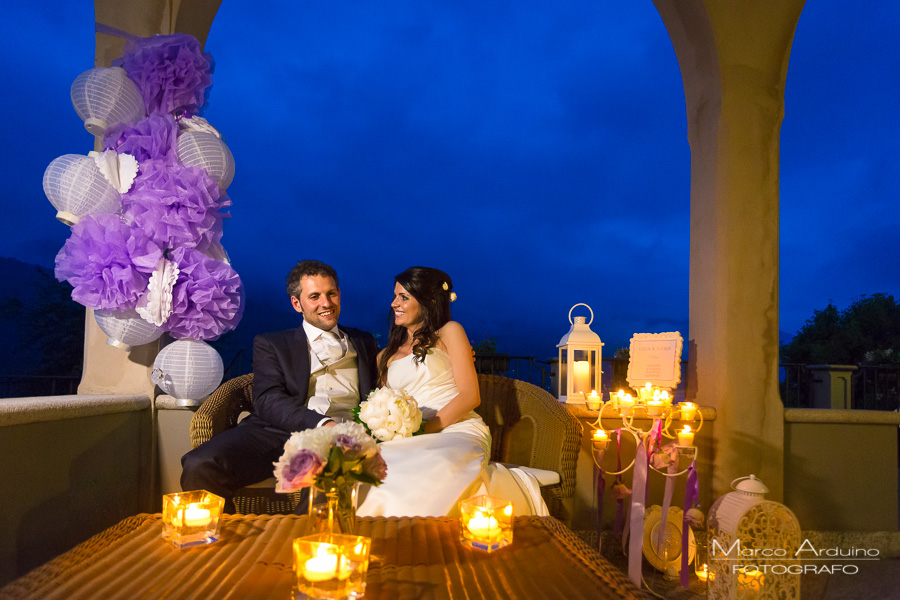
753 544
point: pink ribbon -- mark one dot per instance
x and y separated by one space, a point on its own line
691 497
638 495
601 490
619 524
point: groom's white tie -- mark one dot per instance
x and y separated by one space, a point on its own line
330 348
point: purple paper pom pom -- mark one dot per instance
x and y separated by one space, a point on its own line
152 138
207 299
176 205
107 263
171 71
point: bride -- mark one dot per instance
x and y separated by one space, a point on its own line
429 356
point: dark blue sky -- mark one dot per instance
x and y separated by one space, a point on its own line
536 152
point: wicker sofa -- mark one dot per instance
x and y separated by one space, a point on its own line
529 428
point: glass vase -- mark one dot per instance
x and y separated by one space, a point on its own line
333 510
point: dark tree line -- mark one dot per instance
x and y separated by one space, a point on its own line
866 332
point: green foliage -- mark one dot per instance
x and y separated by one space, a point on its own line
486 346
868 331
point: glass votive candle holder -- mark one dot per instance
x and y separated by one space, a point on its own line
593 401
486 523
688 411
701 563
330 566
599 439
192 518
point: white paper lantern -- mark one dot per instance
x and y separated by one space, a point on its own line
188 370
202 149
104 97
125 329
76 188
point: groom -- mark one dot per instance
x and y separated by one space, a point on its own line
303 378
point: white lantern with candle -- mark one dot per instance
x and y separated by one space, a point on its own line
748 536
580 360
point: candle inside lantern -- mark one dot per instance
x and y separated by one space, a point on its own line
703 572
688 411
582 378
750 583
593 400
686 436
486 523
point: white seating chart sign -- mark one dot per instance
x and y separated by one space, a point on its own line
655 357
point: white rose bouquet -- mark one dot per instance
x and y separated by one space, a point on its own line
329 458
390 414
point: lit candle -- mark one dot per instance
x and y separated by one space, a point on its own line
624 401
688 411
646 392
582 376
655 407
593 400
323 566
484 527
600 439
703 572
664 396
194 516
686 436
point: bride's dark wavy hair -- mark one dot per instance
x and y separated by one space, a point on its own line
426 285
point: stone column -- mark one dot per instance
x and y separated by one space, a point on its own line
109 370
733 57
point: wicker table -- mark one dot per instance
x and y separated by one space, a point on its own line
411 558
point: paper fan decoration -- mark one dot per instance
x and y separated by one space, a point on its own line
155 306
118 169
76 188
126 328
104 97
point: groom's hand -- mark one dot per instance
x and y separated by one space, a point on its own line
329 424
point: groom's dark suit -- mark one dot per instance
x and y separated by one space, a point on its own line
244 454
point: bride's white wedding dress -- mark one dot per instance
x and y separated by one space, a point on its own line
429 474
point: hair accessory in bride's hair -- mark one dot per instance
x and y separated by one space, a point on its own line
452 296
445 286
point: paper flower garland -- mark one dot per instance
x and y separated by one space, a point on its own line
175 205
207 299
160 256
151 138
107 263
171 72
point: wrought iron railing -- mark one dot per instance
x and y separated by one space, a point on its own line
873 387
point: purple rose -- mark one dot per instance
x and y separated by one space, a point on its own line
342 440
375 466
303 469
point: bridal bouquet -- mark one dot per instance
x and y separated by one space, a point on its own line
329 458
390 414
